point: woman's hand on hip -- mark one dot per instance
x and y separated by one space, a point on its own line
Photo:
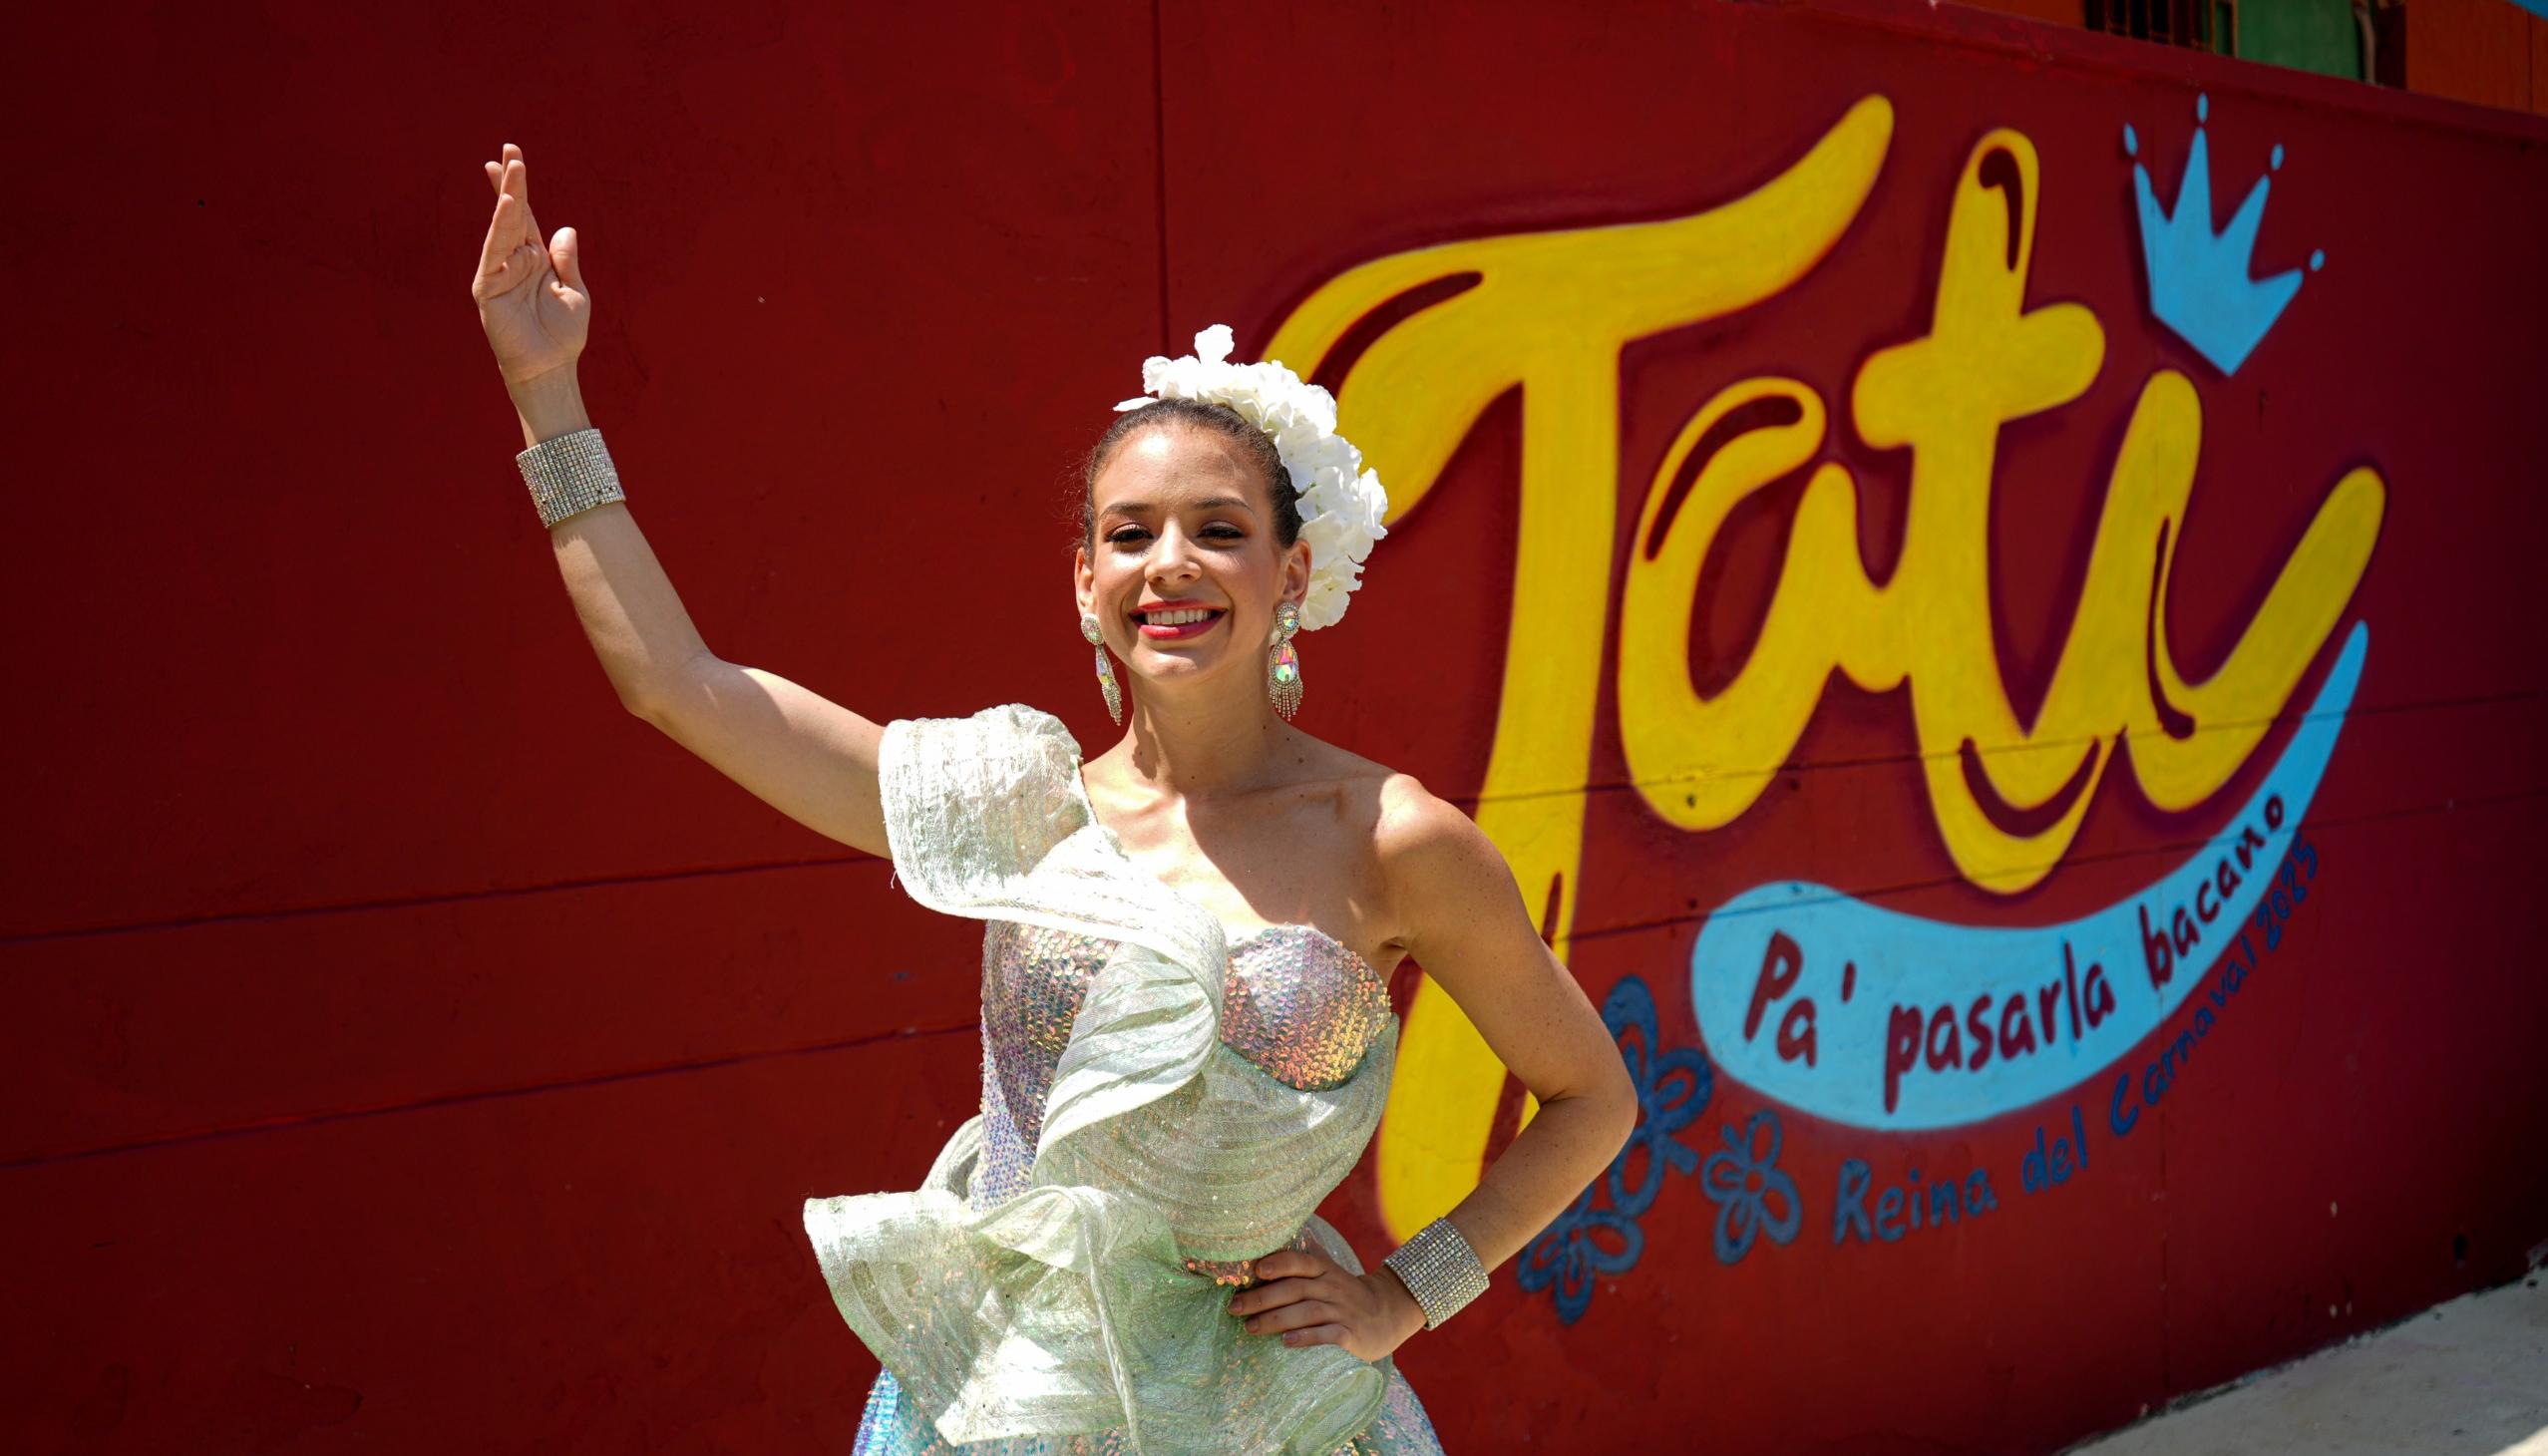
1308 1298
530 293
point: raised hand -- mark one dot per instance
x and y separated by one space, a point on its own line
531 296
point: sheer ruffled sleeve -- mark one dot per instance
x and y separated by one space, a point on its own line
972 805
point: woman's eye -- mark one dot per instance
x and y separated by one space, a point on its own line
1219 531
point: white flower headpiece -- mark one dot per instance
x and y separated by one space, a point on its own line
1341 503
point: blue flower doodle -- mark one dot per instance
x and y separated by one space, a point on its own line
1573 1250
1742 1184
1672 1088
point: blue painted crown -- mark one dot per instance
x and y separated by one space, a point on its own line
2199 283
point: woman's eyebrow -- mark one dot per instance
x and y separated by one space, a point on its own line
1143 507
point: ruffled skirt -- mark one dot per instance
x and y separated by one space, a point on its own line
1036 1326
891 1427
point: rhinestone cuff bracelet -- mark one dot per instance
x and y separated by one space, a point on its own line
1441 1268
569 473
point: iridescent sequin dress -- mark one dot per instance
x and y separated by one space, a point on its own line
1160 1103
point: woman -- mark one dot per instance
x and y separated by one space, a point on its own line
1187 940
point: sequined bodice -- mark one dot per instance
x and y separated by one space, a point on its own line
1298 1004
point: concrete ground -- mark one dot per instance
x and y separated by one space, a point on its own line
2467 1378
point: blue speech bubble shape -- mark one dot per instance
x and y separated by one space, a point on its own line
2030 1011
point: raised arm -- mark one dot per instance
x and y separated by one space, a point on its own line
805 756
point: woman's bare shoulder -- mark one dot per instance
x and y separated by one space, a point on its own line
1402 818
1363 790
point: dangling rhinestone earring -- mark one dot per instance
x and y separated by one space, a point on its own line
1283 666
1105 670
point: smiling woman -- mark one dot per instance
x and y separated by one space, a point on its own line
1188 1039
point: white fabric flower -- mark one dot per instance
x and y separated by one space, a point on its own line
1341 503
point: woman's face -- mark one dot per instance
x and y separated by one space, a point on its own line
1185 570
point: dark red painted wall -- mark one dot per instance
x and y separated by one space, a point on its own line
410 1050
